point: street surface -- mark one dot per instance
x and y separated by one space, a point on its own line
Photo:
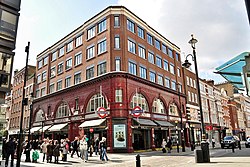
219 158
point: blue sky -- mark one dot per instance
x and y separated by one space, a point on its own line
221 27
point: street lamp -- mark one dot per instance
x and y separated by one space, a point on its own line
180 114
187 64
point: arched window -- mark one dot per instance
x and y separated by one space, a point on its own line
158 106
39 116
62 110
139 100
173 110
96 101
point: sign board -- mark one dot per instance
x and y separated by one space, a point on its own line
137 111
119 136
102 113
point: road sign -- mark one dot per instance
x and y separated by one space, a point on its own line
137 111
101 111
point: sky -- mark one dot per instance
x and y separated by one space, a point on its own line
221 27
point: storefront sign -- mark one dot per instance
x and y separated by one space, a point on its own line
120 136
61 120
76 118
137 111
102 113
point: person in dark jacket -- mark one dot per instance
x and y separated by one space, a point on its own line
49 151
169 145
75 145
56 150
103 147
3 148
10 150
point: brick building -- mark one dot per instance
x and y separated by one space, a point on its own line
115 61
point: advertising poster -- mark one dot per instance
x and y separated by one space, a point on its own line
120 136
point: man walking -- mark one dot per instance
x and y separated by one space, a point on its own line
10 150
75 145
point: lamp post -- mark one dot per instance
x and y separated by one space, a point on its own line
177 136
181 123
204 144
29 136
24 102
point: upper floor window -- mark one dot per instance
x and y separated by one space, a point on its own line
165 65
54 55
131 46
170 53
51 88
61 51
118 95
59 85
117 42
44 75
101 68
194 84
98 100
70 46
139 100
90 72
67 81
60 68
116 21
173 85
159 61
45 60
173 110
158 106
172 68
68 63
160 79
102 26
140 32
52 72
157 44
40 64
78 59
141 52
164 48
132 68
91 33
151 57
143 72
150 39
167 82
102 46
78 40
177 56
90 52
187 79
77 78
130 26
43 91
62 110
152 76
118 64
39 78
179 72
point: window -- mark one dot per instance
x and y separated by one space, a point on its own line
152 76
194 84
77 104
60 68
96 101
173 85
160 80
117 64
90 73
167 82
130 26
102 46
187 79
151 57
62 111
131 46
140 32
77 78
116 21
117 42
118 95
191 82
170 53
143 72
67 81
68 64
102 26
172 68
40 64
164 48
42 92
54 55
70 46
150 39
78 40
52 71
78 59
61 51
192 95
139 100
141 52
59 85
179 87
165 65
173 110
101 68
177 56
51 88
189 96
132 68
45 60
91 52
44 75
159 61
91 33
158 106
157 44
39 78
178 72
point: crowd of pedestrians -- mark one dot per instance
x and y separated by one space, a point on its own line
53 150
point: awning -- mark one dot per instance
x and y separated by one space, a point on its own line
45 128
92 123
57 127
163 123
35 129
145 122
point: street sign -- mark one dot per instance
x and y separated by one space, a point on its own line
101 111
137 111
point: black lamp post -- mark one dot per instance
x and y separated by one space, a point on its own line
29 136
181 123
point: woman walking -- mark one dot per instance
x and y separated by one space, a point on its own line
84 148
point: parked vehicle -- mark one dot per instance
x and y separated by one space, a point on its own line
247 143
230 141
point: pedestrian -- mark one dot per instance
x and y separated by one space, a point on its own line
163 145
169 145
64 149
213 142
10 151
69 145
84 148
75 145
44 148
49 151
103 146
96 145
3 148
56 151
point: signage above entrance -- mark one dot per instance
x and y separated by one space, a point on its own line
102 113
137 111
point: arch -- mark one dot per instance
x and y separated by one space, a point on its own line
139 100
62 110
158 106
96 100
39 115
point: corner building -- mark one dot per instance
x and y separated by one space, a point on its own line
116 61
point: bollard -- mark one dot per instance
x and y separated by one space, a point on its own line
138 161
183 146
233 148
192 147
239 146
178 148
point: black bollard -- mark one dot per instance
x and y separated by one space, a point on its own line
178 148
239 146
233 147
192 147
183 146
138 161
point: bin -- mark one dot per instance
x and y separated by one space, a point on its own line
205 152
198 156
